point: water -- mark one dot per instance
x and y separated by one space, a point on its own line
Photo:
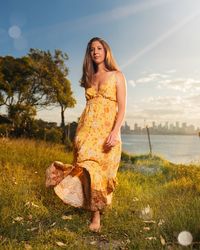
175 148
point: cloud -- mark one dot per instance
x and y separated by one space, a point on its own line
189 104
190 85
151 77
168 81
194 101
132 83
171 71
180 103
166 108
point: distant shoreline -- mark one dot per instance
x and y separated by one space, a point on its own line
135 133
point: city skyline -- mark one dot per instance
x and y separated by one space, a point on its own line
155 42
158 128
176 123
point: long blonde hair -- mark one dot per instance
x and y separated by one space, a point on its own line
89 67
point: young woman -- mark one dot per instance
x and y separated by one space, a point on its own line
90 181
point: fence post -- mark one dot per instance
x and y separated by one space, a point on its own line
150 147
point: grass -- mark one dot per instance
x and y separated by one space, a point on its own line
154 201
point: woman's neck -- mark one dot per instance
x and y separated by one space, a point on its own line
101 68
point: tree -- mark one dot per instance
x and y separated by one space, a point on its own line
35 81
58 88
15 91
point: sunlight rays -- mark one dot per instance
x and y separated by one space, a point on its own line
162 38
105 17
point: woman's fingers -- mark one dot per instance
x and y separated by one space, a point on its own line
108 139
111 142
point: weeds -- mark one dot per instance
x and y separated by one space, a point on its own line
153 202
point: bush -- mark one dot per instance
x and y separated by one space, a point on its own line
5 130
53 135
125 156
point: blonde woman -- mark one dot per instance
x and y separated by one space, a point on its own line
90 181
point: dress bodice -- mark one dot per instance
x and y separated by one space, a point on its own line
106 90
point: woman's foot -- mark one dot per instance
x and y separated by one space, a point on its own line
95 222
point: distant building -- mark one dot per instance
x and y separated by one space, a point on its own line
166 129
166 125
126 129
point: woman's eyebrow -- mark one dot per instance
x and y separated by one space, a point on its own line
98 47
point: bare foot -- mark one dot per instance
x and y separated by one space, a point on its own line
95 222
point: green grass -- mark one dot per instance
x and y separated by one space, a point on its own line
31 216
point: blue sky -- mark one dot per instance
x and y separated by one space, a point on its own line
155 42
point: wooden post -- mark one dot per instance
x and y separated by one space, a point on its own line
150 147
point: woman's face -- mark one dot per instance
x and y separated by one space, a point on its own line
97 52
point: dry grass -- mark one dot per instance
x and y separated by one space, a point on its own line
153 203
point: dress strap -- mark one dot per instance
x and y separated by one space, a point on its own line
115 78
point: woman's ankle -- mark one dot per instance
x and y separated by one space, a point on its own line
95 222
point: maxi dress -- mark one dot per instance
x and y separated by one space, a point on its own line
91 179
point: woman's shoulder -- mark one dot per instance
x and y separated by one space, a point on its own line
119 76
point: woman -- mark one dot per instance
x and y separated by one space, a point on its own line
91 179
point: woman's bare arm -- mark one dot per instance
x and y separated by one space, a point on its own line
121 102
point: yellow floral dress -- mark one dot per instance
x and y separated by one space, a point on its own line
90 181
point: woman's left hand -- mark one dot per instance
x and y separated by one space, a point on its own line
112 140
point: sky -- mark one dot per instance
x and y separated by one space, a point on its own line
156 43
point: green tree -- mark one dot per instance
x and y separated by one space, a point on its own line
16 91
36 81
57 87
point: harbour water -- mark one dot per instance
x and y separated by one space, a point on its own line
175 148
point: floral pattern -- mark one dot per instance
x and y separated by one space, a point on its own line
95 124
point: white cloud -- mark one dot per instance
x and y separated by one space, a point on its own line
153 77
166 108
194 100
178 99
132 83
171 71
181 84
168 81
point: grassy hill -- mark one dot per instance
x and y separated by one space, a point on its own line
154 201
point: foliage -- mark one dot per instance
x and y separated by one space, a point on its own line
53 135
38 80
125 157
57 88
